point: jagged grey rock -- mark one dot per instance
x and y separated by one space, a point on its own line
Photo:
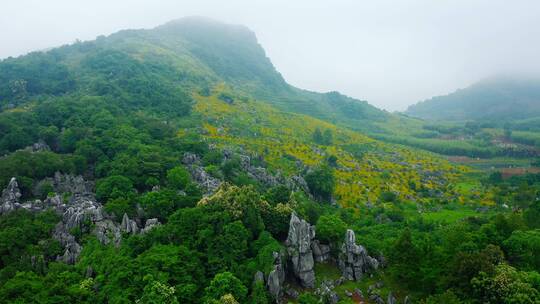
107 232
150 224
276 278
128 225
72 249
190 158
326 292
298 243
391 299
354 260
82 209
10 197
258 277
321 252
74 184
407 300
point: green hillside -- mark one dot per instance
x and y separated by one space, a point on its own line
501 98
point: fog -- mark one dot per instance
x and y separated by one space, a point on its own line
391 53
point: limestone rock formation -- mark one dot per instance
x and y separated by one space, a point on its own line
354 260
128 225
107 232
150 224
82 209
321 252
298 243
276 278
199 175
391 299
326 292
72 249
10 197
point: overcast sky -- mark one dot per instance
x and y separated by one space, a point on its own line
391 53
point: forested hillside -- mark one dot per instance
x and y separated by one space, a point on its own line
499 98
175 165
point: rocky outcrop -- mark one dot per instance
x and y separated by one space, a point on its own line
10 197
391 299
206 181
326 293
107 232
72 249
300 254
128 225
276 278
150 224
82 210
354 260
321 252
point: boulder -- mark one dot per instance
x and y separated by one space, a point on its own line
300 254
354 260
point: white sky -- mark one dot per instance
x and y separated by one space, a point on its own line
391 53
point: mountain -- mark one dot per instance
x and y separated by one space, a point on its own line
499 98
195 52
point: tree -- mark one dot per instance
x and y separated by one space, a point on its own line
317 136
523 248
505 285
259 295
156 292
404 259
331 229
327 137
116 186
226 283
178 178
321 182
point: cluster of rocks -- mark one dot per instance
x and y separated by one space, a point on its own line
326 292
354 260
206 181
81 211
299 239
210 184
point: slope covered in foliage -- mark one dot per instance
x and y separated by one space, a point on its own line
501 98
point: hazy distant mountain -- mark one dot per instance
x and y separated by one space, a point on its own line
495 98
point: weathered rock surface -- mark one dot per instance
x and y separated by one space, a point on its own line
72 249
128 225
207 182
391 299
326 293
276 278
10 197
354 260
150 224
298 243
321 252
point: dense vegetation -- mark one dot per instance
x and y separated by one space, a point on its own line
124 110
501 98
